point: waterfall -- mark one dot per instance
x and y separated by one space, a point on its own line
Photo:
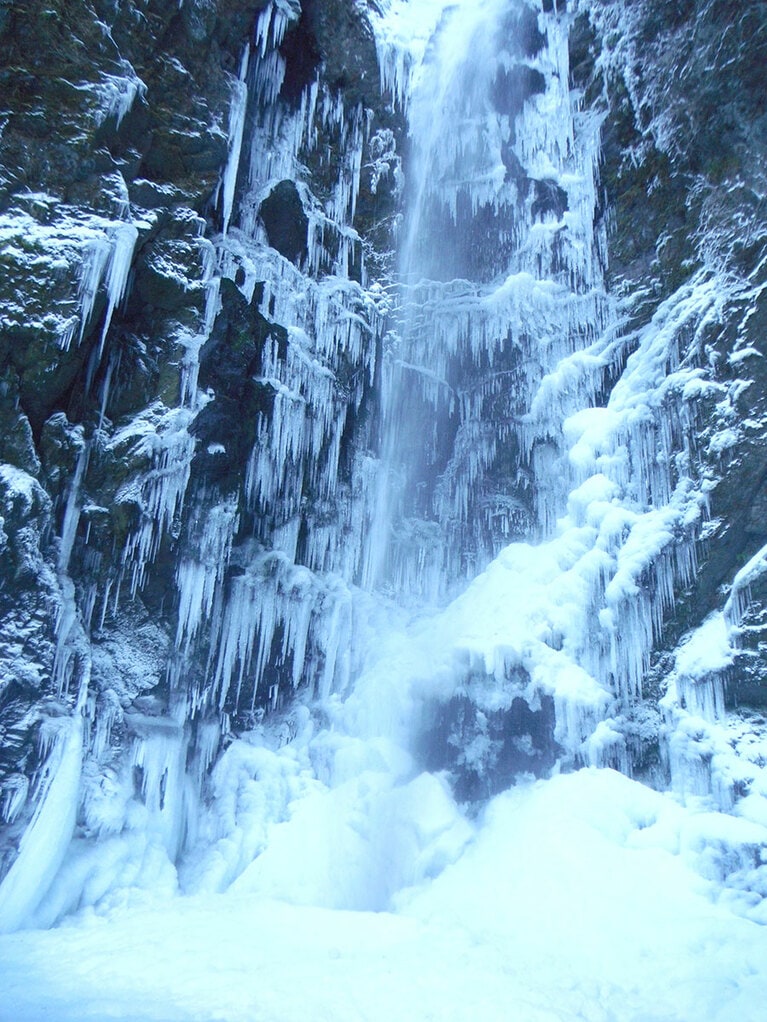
570 511
400 530
500 282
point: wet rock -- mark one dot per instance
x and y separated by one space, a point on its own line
347 47
486 749
549 200
583 47
285 222
303 56
512 88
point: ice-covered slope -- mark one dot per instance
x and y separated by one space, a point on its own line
572 902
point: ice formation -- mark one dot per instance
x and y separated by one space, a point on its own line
505 535
236 129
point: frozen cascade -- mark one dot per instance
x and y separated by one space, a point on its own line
438 508
507 358
44 844
191 341
159 756
478 343
72 510
705 743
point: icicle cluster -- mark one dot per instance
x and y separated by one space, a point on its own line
264 598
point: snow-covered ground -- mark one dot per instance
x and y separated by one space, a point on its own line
580 897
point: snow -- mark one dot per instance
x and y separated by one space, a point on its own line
739 597
707 650
576 898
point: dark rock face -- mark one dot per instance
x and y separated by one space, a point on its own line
683 167
285 222
147 374
486 750
346 45
550 200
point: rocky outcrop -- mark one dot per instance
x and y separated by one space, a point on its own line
683 174
147 252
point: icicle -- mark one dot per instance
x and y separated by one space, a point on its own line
236 130
15 790
192 343
159 491
119 94
199 577
95 260
272 597
740 594
159 754
72 510
124 238
273 23
107 256
45 841
106 385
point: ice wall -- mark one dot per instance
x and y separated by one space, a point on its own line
264 589
240 493
208 511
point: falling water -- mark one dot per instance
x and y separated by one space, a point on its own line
499 279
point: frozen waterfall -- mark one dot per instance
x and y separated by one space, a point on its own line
381 643
500 284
